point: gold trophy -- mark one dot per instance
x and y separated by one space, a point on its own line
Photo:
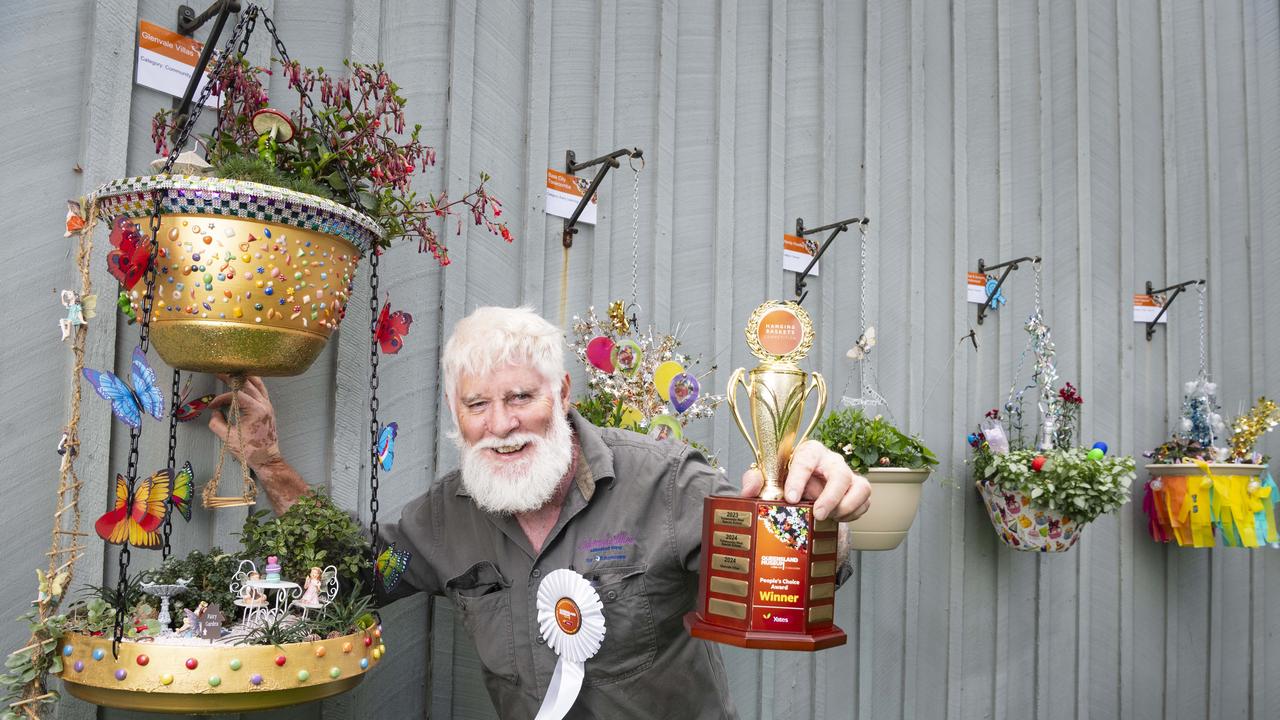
768 567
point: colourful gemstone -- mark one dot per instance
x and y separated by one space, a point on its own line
166 679
303 676
192 663
143 660
67 650
364 663
214 681
281 660
255 679
320 651
97 653
234 664
334 672
79 666
121 674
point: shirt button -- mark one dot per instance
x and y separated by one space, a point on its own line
611 595
537 573
541 640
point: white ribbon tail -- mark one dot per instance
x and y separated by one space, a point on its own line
566 681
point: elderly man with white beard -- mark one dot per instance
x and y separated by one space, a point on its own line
541 489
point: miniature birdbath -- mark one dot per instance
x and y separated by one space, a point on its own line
272 127
164 592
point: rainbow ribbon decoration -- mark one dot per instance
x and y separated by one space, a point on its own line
1194 511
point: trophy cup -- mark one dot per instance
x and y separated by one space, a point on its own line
768 567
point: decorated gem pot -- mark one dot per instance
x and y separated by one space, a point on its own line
206 679
250 278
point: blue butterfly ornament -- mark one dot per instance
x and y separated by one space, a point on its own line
387 445
129 403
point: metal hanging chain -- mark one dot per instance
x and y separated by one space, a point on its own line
175 396
144 321
1204 335
635 232
373 399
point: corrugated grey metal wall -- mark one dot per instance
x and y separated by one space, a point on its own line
1122 140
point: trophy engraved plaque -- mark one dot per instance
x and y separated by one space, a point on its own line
768 567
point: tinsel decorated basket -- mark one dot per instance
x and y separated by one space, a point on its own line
1195 504
1022 525
211 679
250 278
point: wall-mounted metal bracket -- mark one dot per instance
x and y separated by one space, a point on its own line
1009 267
1164 307
606 162
188 23
836 228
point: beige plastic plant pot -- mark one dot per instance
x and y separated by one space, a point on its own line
895 497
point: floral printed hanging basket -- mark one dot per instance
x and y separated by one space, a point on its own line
1023 526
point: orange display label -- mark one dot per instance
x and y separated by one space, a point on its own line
166 42
568 617
783 536
780 332
566 183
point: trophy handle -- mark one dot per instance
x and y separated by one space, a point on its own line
734 381
815 380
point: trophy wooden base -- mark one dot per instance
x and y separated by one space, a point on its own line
767 577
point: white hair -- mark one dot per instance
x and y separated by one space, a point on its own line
491 337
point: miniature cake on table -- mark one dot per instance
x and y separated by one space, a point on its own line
273 569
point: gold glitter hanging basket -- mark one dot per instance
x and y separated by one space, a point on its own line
207 679
250 278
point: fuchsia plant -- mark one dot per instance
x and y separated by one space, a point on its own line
362 117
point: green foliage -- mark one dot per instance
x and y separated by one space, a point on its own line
25 669
871 442
278 630
603 410
255 169
114 597
346 614
93 616
210 574
312 533
1069 482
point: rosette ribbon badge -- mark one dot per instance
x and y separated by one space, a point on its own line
768 569
571 621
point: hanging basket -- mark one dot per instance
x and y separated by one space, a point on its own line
895 497
1194 509
250 278
1022 526
209 679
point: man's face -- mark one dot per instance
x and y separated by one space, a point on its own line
511 399
516 441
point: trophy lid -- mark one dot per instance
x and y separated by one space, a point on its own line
779 331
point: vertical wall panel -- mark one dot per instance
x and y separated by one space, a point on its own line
1122 141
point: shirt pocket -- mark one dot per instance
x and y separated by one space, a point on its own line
630 641
483 596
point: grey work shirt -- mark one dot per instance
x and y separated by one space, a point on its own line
632 525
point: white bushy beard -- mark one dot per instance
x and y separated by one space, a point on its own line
508 488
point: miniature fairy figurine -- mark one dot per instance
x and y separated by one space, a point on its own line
74 313
311 591
251 595
193 622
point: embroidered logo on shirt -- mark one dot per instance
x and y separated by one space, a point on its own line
619 546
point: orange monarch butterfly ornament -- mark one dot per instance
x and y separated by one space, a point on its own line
136 517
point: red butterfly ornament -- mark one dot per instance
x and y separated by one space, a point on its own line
391 329
136 517
130 255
